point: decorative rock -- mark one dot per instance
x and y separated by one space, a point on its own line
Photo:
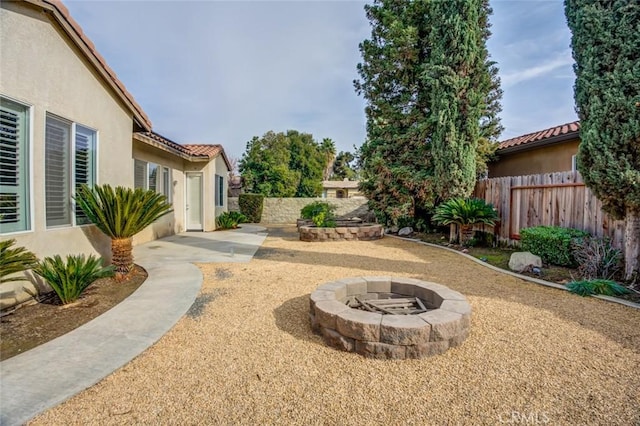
405 231
524 260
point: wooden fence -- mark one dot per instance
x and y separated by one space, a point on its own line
555 199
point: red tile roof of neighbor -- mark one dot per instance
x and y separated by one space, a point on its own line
190 151
73 29
563 132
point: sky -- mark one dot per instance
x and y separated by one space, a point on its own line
225 71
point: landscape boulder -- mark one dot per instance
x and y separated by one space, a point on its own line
405 231
524 261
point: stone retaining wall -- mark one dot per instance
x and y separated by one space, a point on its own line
347 233
287 210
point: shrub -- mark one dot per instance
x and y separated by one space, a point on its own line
14 260
238 217
321 213
69 279
251 206
465 213
596 258
589 287
552 243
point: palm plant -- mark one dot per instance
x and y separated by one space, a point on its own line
121 213
69 279
14 260
465 213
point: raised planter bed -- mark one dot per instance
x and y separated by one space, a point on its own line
350 232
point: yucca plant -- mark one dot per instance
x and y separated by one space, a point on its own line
69 279
121 213
465 213
14 260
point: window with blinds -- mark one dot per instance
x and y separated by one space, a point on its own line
14 163
84 167
166 183
67 166
219 191
140 174
152 169
57 174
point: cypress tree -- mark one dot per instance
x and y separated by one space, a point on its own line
429 87
606 47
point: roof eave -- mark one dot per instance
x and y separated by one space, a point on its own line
540 143
157 144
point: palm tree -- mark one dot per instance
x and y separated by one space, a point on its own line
465 213
14 260
328 149
121 213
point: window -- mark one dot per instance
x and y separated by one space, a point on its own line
145 176
67 166
14 167
219 191
166 183
574 164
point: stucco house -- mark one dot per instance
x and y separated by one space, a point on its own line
66 119
341 189
545 151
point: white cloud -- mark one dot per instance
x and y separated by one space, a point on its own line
537 71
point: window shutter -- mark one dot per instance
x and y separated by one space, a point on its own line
84 164
139 174
14 199
57 176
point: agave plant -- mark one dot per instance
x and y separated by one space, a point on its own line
14 260
465 213
121 213
69 279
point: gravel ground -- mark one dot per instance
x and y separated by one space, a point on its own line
245 353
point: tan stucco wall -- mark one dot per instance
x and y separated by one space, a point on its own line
209 171
348 193
546 159
173 222
40 67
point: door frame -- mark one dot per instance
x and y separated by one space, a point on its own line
186 211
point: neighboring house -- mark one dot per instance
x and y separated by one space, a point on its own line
546 151
66 120
341 189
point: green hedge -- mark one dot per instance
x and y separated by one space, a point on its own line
551 243
251 206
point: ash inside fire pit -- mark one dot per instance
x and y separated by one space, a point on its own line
390 317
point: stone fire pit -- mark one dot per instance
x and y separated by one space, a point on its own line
444 324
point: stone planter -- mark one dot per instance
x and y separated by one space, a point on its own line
351 232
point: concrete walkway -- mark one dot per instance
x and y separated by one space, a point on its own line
47 375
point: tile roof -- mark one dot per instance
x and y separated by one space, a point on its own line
73 29
562 132
189 151
210 151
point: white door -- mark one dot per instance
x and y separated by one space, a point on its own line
194 202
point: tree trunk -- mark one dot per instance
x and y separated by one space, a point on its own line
631 244
466 233
122 257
